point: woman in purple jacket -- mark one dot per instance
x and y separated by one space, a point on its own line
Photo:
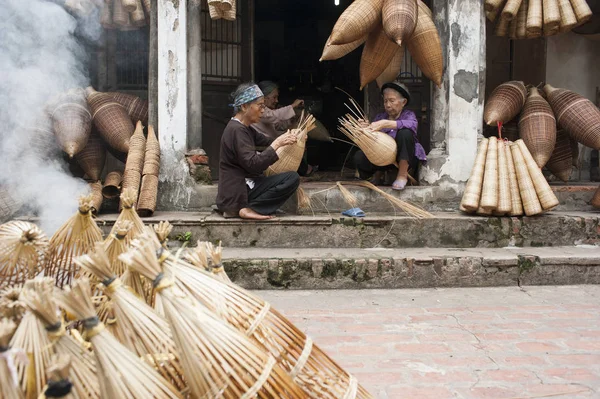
401 124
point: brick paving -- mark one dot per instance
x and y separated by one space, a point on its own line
497 343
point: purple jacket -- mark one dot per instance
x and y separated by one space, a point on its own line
406 120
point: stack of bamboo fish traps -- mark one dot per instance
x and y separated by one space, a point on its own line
387 27
125 14
149 189
71 120
291 155
222 9
527 19
506 181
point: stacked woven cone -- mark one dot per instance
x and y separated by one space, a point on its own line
125 14
387 27
132 177
149 191
528 19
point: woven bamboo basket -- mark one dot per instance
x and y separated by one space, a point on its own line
226 5
502 27
75 237
392 71
537 127
72 122
311 368
578 115
472 194
511 9
132 176
561 160
505 102
152 154
128 5
136 108
512 29
489 189
41 301
230 15
112 184
23 247
9 388
337 51
120 17
379 148
545 194
9 203
147 6
121 373
148 194
290 157
535 18
106 19
522 20
582 10
214 11
551 12
97 198
568 20
358 20
504 192
494 12
92 157
515 195
111 119
41 138
425 46
491 5
377 54
529 198
596 199
138 18
399 18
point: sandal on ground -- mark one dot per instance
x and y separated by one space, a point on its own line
399 184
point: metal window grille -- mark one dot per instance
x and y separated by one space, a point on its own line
221 48
131 58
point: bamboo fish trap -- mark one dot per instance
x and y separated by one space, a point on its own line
545 194
92 157
112 184
425 46
504 191
377 54
23 247
535 18
511 8
311 368
72 122
136 108
41 301
75 237
399 18
337 51
132 176
138 327
515 195
489 191
392 71
229 365
529 198
121 373
505 102
291 155
537 127
561 160
472 194
9 387
97 198
522 20
111 119
359 19
152 154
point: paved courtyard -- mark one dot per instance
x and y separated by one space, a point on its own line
501 343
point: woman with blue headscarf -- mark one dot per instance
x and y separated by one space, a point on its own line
243 189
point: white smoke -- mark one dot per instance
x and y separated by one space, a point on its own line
41 56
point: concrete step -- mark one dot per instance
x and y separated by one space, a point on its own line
447 230
336 268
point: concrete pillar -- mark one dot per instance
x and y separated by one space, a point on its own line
458 105
194 62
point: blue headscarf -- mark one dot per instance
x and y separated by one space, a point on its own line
250 94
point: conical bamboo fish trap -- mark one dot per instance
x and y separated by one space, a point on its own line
535 18
138 327
9 203
582 10
291 155
106 19
137 16
40 300
9 388
545 194
505 102
561 160
515 195
111 119
522 20
128 200
529 198
136 108
578 115
121 373
493 11
97 198
379 148
132 175
399 18
128 5
568 20
511 8
41 138
377 54
472 195
392 71
504 193
512 29
112 184
92 157
214 11
11 305
231 14
148 196
425 46
75 237
311 368
23 246
72 122
537 127
551 12
502 27
120 17
359 19
492 5
147 6
489 189
596 199
226 5
152 154
337 51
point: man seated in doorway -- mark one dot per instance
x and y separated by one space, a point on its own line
276 121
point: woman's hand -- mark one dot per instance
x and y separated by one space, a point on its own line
297 103
363 123
283 140
383 124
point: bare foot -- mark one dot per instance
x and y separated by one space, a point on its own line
247 213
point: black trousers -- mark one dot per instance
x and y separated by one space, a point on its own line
270 193
405 142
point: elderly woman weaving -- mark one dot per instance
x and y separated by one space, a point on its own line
243 189
401 124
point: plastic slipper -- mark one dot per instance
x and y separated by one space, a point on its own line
399 184
354 212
